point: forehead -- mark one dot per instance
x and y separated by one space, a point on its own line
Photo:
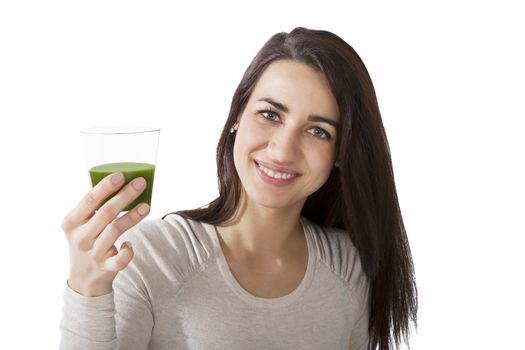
299 86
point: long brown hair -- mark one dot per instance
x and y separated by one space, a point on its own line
359 196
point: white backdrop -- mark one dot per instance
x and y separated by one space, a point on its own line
449 79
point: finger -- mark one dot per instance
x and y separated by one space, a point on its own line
85 209
121 260
112 208
112 232
112 251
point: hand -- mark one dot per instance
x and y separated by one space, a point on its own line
91 231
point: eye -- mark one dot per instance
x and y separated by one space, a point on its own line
320 133
270 115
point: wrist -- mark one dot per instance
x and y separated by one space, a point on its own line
89 290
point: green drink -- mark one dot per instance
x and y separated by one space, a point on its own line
129 149
130 171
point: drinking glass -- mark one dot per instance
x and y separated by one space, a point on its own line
129 149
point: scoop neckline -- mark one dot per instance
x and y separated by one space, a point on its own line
248 297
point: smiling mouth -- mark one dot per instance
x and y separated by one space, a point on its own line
276 174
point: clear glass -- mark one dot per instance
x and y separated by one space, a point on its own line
129 149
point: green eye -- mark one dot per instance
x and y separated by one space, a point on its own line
270 115
320 133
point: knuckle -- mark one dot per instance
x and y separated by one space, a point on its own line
108 265
66 224
81 242
91 199
114 229
112 251
75 241
107 214
93 256
106 259
120 264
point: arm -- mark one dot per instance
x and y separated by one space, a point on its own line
87 322
94 314
119 320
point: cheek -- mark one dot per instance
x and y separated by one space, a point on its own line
249 138
246 141
322 160
237 152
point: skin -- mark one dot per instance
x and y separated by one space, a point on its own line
265 244
91 231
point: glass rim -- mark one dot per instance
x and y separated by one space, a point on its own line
118 130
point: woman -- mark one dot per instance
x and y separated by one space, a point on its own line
304 248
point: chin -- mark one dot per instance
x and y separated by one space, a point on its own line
274 202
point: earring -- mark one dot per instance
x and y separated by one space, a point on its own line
337 164
234 128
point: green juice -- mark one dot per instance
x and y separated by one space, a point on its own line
130 171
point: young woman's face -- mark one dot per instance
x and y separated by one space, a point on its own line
285 144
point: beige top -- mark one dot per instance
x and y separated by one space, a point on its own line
179 293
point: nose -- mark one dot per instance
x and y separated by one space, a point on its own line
284 145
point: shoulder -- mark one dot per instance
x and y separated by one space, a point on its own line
333 248
174 246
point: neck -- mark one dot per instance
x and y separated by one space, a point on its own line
263 232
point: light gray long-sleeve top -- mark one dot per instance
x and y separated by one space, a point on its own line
179 293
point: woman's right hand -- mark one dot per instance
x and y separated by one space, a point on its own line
91 231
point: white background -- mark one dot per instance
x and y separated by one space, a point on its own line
449 80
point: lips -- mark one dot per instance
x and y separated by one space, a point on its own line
269 168
276 175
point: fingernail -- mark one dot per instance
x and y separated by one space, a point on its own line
143 209
117 178
139 183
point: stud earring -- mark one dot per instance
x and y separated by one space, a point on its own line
234 128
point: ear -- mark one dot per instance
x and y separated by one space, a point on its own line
234 128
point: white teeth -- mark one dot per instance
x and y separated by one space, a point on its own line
275 174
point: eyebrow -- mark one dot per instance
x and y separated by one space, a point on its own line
312 117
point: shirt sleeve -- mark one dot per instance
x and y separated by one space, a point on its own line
119 320
87 322
359 337
134 312
122 319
